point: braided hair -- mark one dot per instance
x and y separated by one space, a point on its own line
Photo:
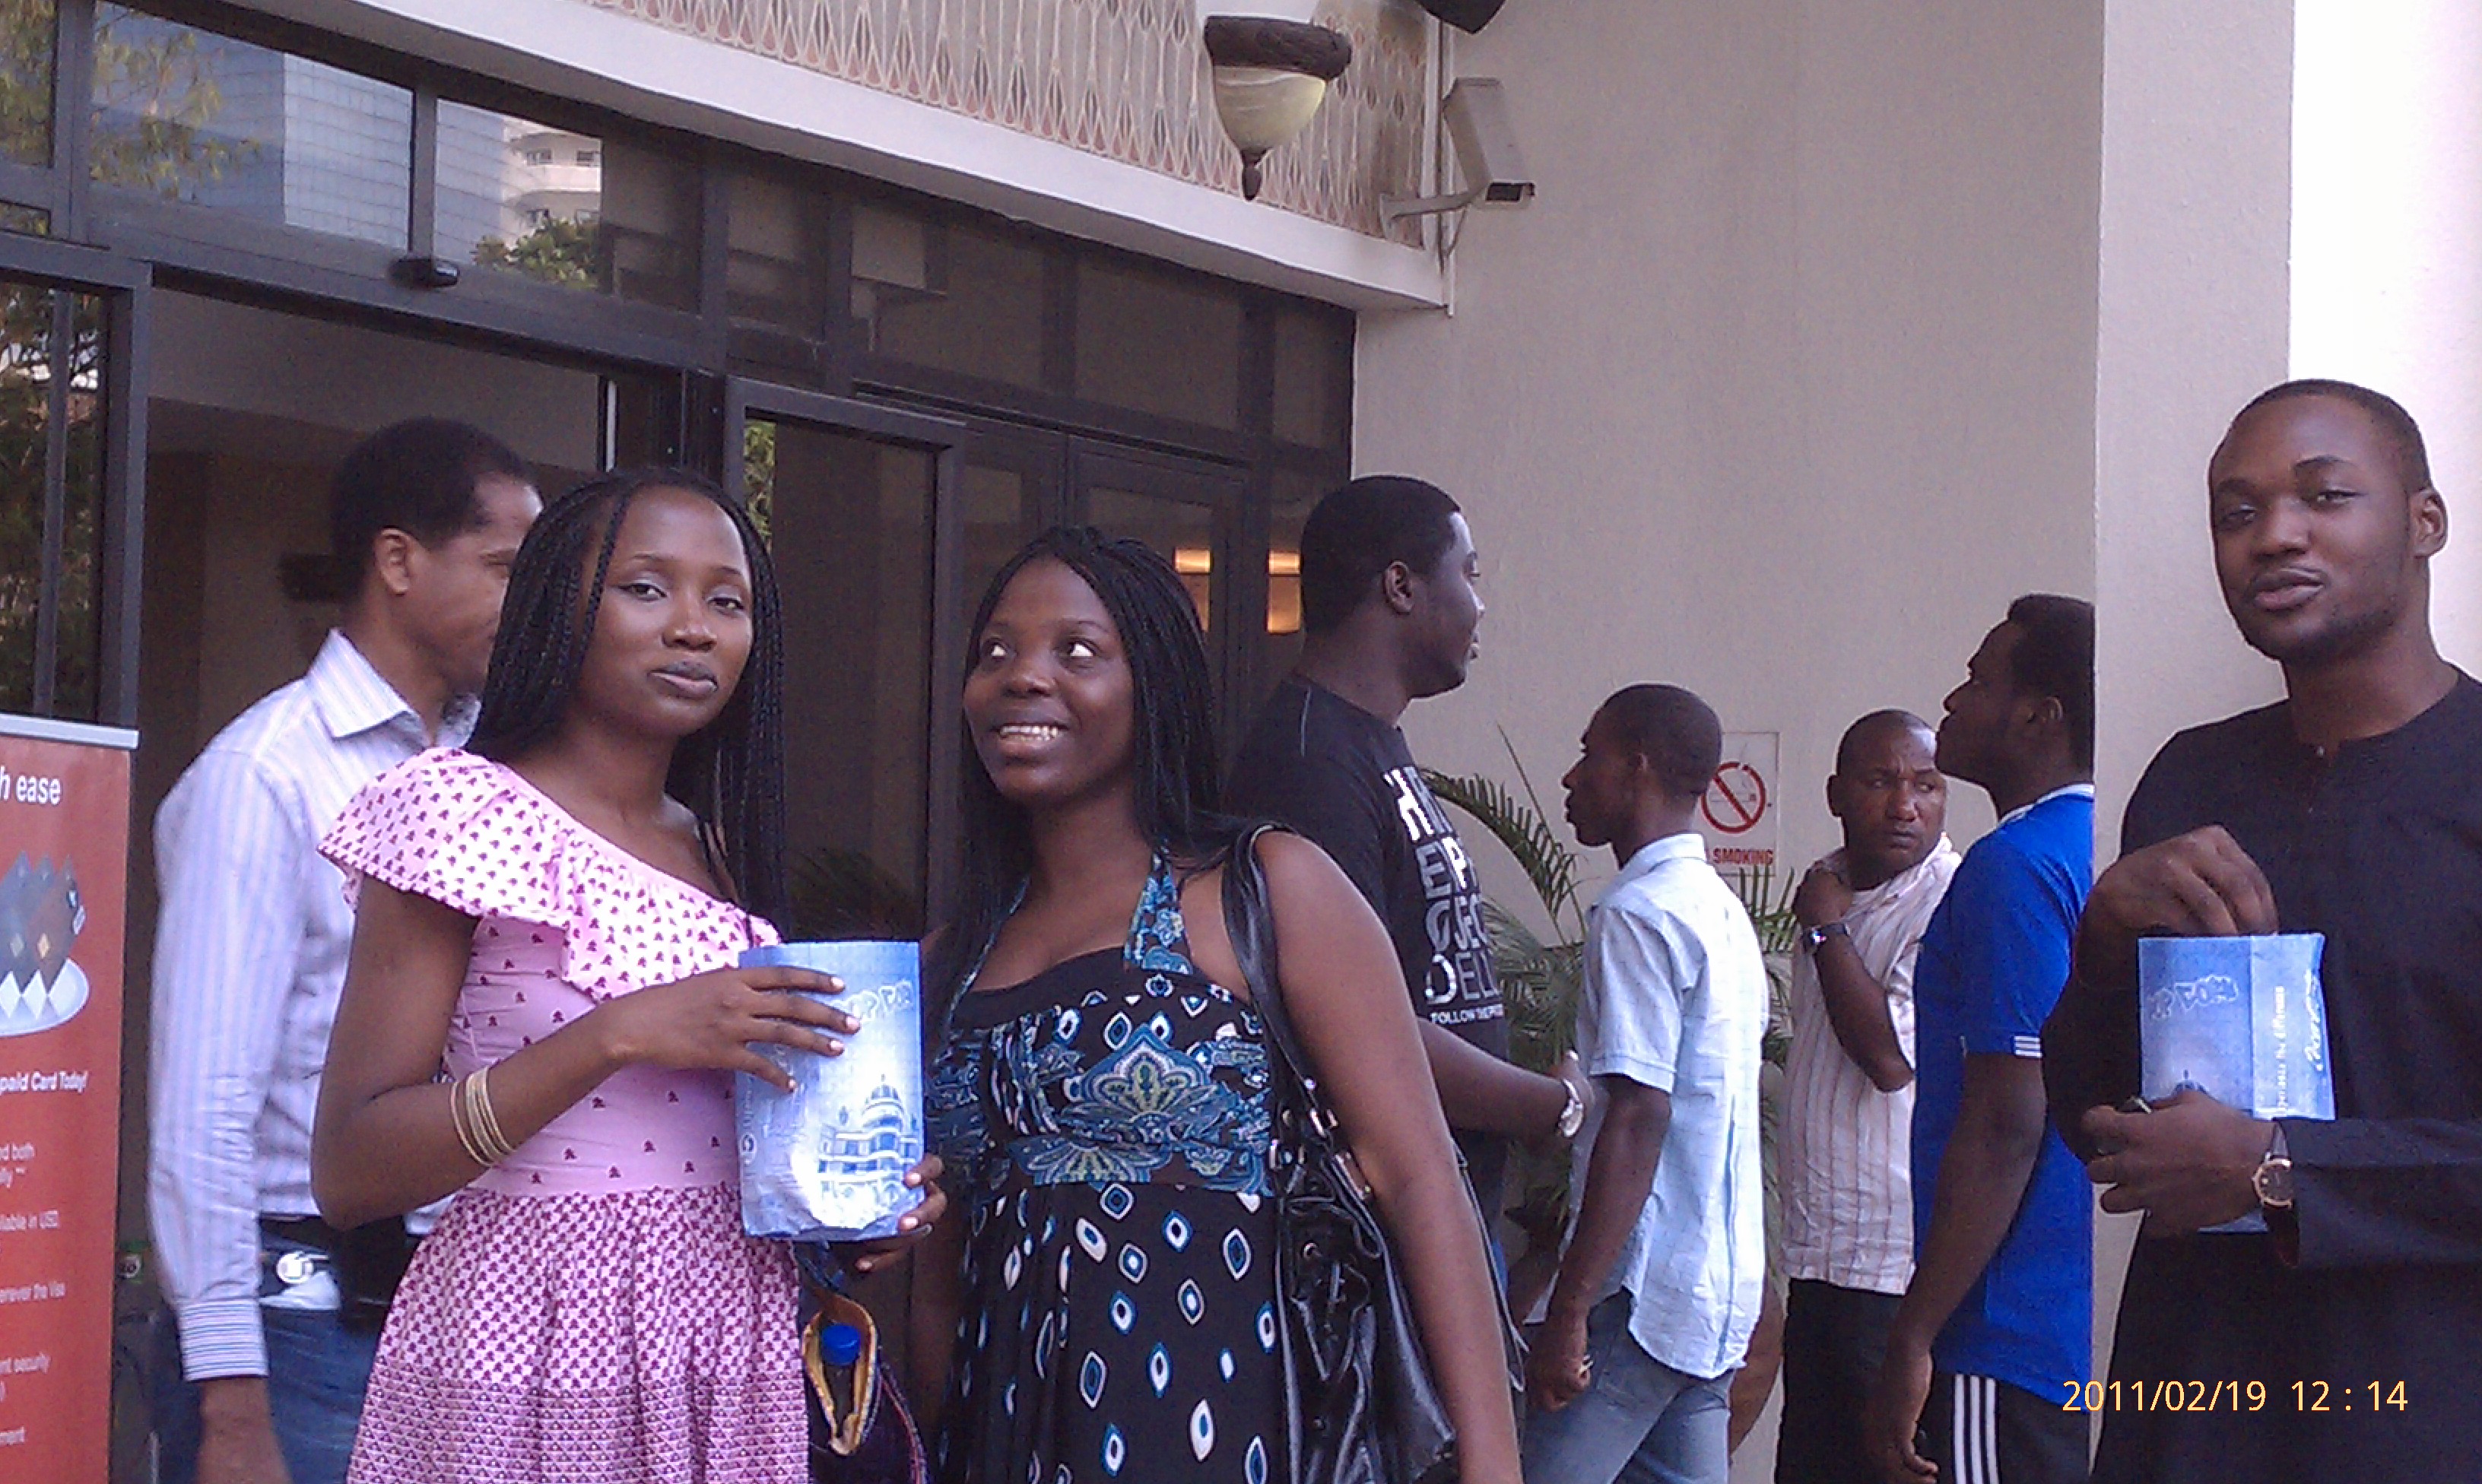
730 772
1172 733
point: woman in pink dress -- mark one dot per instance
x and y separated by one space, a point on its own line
553 918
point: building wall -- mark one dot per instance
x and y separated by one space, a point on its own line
2387 244
1781 388
745 72
1783 385
2195 203
2197 211
1126 80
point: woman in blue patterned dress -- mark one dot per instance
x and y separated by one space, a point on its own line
1107 1308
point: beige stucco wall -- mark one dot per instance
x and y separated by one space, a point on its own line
2196 206
1785 384
1782 387
2196 220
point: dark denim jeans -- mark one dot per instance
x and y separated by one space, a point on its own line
316 1373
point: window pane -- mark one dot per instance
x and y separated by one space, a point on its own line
80 632
33 220
1001 509
560 207
26 31
946 296
1155 343
776 261
850 531
1180 531
192 116
1288 508
1314 378
46 394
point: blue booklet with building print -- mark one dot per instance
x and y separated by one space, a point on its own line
2241 1019
827 1162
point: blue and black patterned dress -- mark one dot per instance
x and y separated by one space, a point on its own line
1107 1123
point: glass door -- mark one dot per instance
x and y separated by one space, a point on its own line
70 482
861 509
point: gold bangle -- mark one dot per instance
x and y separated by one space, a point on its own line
487 1123
465 1135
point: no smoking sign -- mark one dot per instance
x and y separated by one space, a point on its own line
1738 815
1737 800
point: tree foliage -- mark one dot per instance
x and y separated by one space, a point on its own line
27 371
559 251
154 99
26 53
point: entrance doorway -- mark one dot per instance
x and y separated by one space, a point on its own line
858 505
249 411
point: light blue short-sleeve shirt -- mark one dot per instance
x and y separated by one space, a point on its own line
1676 999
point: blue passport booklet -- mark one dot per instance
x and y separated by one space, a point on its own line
2241 1019
827 1162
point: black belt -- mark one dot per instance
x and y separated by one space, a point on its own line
369 1261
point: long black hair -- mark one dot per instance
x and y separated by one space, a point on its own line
730 772
1172 733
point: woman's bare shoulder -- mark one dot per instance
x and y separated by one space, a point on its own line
1313 899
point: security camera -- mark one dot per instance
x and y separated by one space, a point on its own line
1491 170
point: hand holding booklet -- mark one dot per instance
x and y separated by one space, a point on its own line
2242 1020
827 1162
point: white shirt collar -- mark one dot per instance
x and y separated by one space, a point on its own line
2084 791
1904 880
1687 845
353 697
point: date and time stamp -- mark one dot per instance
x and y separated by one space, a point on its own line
2365 1397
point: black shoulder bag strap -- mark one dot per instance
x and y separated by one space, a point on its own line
1366 1410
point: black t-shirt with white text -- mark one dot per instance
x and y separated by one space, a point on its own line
1321 766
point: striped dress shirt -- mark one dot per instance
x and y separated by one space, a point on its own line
249 959
1847 1156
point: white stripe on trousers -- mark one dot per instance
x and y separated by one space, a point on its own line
1973 1428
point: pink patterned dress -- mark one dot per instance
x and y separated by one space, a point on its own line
589 1309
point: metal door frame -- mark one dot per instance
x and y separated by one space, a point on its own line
124 286
1233 590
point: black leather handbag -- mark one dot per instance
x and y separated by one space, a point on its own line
1360 1404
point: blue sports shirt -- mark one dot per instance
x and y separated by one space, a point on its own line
1994 961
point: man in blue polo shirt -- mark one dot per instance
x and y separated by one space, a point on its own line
1996 1325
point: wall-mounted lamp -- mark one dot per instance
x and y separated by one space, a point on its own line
1269 77
1489 167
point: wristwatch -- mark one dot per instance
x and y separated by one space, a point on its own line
1574 1116
1812 939
2273 1179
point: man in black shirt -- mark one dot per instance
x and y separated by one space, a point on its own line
2346 1342
1388 610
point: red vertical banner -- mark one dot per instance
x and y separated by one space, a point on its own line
64 899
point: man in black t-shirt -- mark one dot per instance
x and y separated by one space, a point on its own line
1390 611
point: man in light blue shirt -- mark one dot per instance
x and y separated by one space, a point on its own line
260 1368
1632 1365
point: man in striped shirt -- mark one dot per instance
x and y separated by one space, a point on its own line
425 518
1848 1208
